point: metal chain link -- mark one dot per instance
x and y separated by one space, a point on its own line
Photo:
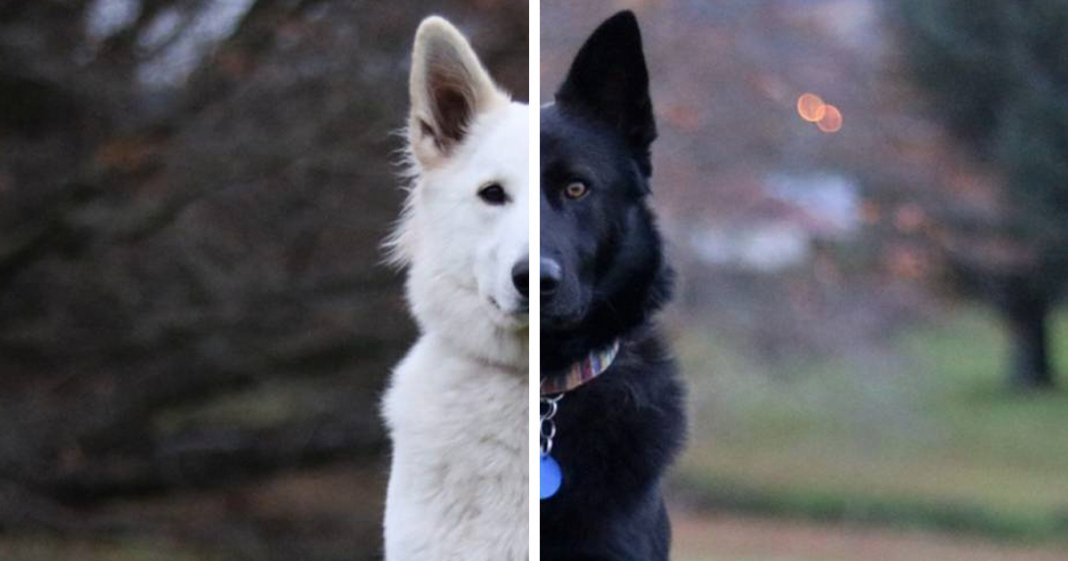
549 407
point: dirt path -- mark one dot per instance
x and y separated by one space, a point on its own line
731 538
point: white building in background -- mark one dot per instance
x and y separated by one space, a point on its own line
782 224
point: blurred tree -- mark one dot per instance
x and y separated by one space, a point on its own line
996 74
192 198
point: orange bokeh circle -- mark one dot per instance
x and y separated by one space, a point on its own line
810 107
831 120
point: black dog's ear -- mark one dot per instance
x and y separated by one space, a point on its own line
608 81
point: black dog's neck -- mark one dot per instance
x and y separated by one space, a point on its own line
561 350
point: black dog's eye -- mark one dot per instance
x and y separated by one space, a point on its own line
576 190
493 194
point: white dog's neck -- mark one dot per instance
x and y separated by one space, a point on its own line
510 353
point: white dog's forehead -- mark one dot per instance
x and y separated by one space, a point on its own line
509 127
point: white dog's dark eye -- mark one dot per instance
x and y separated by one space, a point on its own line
493 194
576 190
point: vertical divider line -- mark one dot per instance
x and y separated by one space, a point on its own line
534 314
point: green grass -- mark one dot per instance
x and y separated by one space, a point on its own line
54 548
918 432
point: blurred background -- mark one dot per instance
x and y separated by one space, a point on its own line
867 202
194 323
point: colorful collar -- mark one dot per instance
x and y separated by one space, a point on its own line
581 372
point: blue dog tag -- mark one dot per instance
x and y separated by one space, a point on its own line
550 476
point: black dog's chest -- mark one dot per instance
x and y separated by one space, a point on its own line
614 439
596 443
620 430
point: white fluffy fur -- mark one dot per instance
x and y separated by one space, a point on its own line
457 405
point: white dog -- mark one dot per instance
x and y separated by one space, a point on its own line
457 405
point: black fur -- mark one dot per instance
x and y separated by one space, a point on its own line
617 434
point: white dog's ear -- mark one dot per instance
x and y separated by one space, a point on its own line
448 88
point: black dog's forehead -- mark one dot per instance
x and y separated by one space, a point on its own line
575 147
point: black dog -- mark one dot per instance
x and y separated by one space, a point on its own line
611 433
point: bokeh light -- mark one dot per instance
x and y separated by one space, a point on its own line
811 107
831 120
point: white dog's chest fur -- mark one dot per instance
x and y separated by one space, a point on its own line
459 473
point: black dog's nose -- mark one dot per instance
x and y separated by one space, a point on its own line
550 276
520 274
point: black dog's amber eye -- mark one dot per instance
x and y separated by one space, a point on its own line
493 194
576 190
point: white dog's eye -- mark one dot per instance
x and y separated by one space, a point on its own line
493 194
